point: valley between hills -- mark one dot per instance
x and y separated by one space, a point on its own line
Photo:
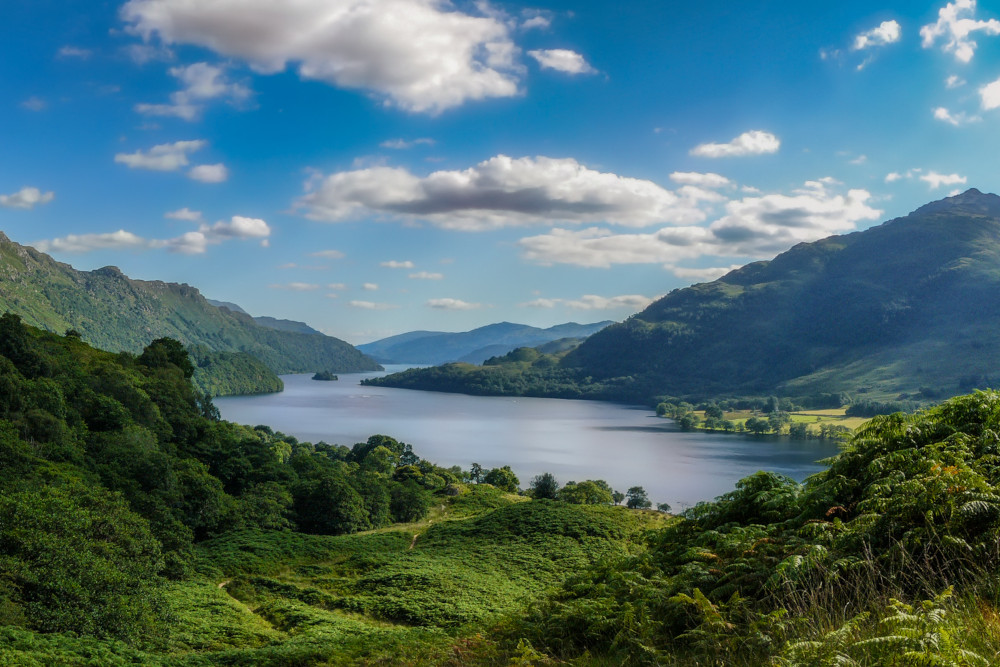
138 527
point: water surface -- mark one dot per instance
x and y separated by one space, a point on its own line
574 440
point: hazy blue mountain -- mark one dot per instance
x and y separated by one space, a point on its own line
227 304
435 347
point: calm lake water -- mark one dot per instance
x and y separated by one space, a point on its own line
574 440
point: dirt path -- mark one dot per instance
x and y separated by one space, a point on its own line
417 536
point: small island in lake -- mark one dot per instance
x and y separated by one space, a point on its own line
325 376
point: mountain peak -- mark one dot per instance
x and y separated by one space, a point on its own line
972 201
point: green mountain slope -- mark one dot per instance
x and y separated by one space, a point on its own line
910 306
433 347
114 312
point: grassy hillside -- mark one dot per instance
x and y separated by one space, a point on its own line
116 313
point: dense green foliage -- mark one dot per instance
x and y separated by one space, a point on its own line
113 312
231 373
776 572
325 376
904 310
113 466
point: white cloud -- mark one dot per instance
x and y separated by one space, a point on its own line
452 304
893 177
369 287
708 180
188 243
26 198
562 60
393 264
209 173
990 95
74 52
238 227
861 159
538 21
371 305
886 32
402 144
327 254
337 286
79 243
202 82
296 287
420 55
756 226
163 157
631 302
498 192
704 274
956 119
936 180
954 81
34 103
426 275
754 142
184 214
955 25
141 54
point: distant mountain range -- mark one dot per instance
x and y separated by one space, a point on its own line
476 346
911 306
114 312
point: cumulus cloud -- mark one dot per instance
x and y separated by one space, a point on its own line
26 198
162 157
884 33
393 264
188 243
369 287
403 144
327 254
371 305
757 226
700 180
184 214
202 82
426 275
209 173
452 304
562 60
295 287
936 180
990 95
80 243
239 227
754 142
498 192
892 177
955 26
961 118
420 55
631 302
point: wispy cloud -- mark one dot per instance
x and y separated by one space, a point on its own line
453 304
26 198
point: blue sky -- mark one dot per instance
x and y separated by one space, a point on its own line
379 166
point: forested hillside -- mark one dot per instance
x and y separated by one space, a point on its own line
909 307
114 312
